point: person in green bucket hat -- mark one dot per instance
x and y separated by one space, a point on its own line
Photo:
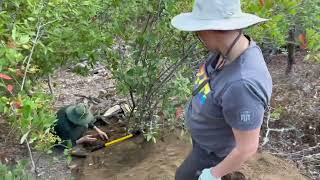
73 122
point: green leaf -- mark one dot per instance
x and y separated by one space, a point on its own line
31 19
24 39
14 33
148 137
24 137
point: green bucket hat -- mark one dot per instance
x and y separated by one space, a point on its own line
79 114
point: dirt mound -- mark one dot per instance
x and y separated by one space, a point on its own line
265 166
137 160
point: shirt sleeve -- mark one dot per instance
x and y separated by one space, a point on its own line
242 107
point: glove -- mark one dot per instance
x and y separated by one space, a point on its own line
206 175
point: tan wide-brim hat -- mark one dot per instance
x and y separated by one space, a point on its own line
215 15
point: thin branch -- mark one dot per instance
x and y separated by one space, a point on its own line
31 157
50 84
266 137
30 55
24 60
132 100
172 70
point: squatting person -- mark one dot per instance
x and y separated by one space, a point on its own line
73 122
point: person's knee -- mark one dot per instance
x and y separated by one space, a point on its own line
184 173
180 174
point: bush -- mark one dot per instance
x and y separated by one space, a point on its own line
299 15
37 37
15 173
150 63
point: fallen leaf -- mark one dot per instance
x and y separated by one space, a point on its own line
179 112
17 105
19 73
11 44
262 3
5 77
303 41
10 88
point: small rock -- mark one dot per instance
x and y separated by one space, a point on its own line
113 111
102 92
80 65
73 166
306 88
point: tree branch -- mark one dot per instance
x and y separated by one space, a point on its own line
35 41
34 169
50 84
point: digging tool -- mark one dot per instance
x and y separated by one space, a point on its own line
131 135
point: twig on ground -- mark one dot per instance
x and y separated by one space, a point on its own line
266 137
308 156
94 100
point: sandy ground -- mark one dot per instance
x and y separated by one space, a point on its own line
137 160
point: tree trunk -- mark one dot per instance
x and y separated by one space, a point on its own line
291 50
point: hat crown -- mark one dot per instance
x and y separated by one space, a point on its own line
81 110
216 9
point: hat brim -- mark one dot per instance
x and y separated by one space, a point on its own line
187 22
83 121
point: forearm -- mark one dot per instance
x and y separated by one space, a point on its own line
232 162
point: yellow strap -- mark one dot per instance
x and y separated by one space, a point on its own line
118 140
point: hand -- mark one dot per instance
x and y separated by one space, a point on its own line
207 175
102 134
86 139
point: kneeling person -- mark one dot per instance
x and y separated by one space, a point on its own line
73 122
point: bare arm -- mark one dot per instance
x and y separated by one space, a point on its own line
247 143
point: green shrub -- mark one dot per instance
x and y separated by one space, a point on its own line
15 173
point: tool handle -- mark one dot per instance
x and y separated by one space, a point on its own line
118 140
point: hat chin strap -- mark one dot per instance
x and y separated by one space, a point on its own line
225 57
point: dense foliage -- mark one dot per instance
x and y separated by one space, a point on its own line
16 173
37 37
152 59
300 15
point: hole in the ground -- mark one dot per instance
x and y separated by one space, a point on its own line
234 176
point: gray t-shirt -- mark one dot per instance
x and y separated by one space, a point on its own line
235 97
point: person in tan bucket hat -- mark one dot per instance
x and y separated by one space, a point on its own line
232 89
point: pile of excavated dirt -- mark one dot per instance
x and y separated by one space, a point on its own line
136 159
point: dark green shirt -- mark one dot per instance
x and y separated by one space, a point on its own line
66 130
